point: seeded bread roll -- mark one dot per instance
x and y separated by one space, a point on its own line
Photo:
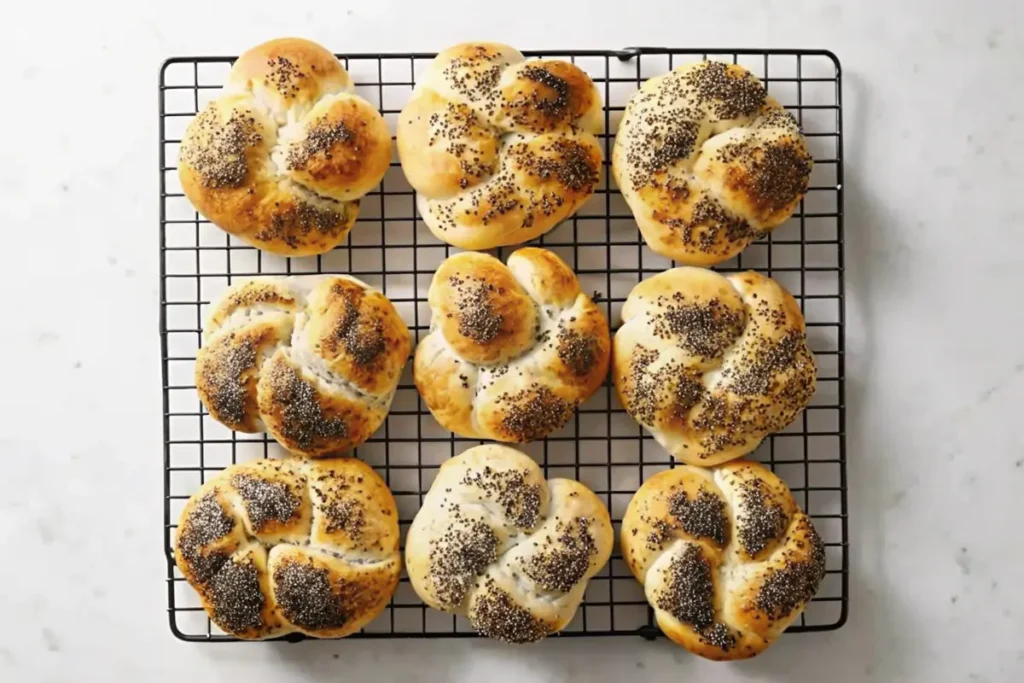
727 559
282 157
313 361
708 162
499 149
496 543
712 364
278 546
512 350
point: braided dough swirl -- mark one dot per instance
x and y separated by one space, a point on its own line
500 149
711 364
282 157
498 544
512 350
708 162
727 559
314 361
278 546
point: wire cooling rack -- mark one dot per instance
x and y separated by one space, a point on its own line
391 248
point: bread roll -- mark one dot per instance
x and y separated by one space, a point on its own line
712 364
496 543
499 149
512 350
313 361
708 162
278 546
727 559
282 157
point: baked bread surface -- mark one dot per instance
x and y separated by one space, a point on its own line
314 361
281 546
708 162
710 364
282 157
498 544
726 557
500 149
512 349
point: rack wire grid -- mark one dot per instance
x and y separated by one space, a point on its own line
392 249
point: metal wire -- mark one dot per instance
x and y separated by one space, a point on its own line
603 447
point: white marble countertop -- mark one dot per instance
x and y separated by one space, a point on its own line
935 253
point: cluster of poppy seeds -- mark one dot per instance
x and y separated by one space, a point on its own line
566 161
576 351
538 112
478 321
534 412
345 515
302 418
765 361
222 376
562 562
642 390
285 76
320 138
265 501
688 595
773 175
470 76
495 614
255 293
216 151
362 336
726 93
519 499
299 218
455 126
704 329
236 596
307 599
761 520
670 135
466 547
712 222
206 523
790 587
704 516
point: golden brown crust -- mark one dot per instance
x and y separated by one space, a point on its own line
483 312
496 543
296 196
710 365
727 559
708 162
343 149
359 334
500 149
314 362
324 584
513 350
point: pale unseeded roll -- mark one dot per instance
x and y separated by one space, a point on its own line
313 361
711 364
500 149
727 559
282 157
708 162
279 546
512 350
498 544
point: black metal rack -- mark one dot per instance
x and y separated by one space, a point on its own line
391 248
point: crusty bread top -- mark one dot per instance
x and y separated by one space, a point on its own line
711 364
727 559
708 162
500 149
